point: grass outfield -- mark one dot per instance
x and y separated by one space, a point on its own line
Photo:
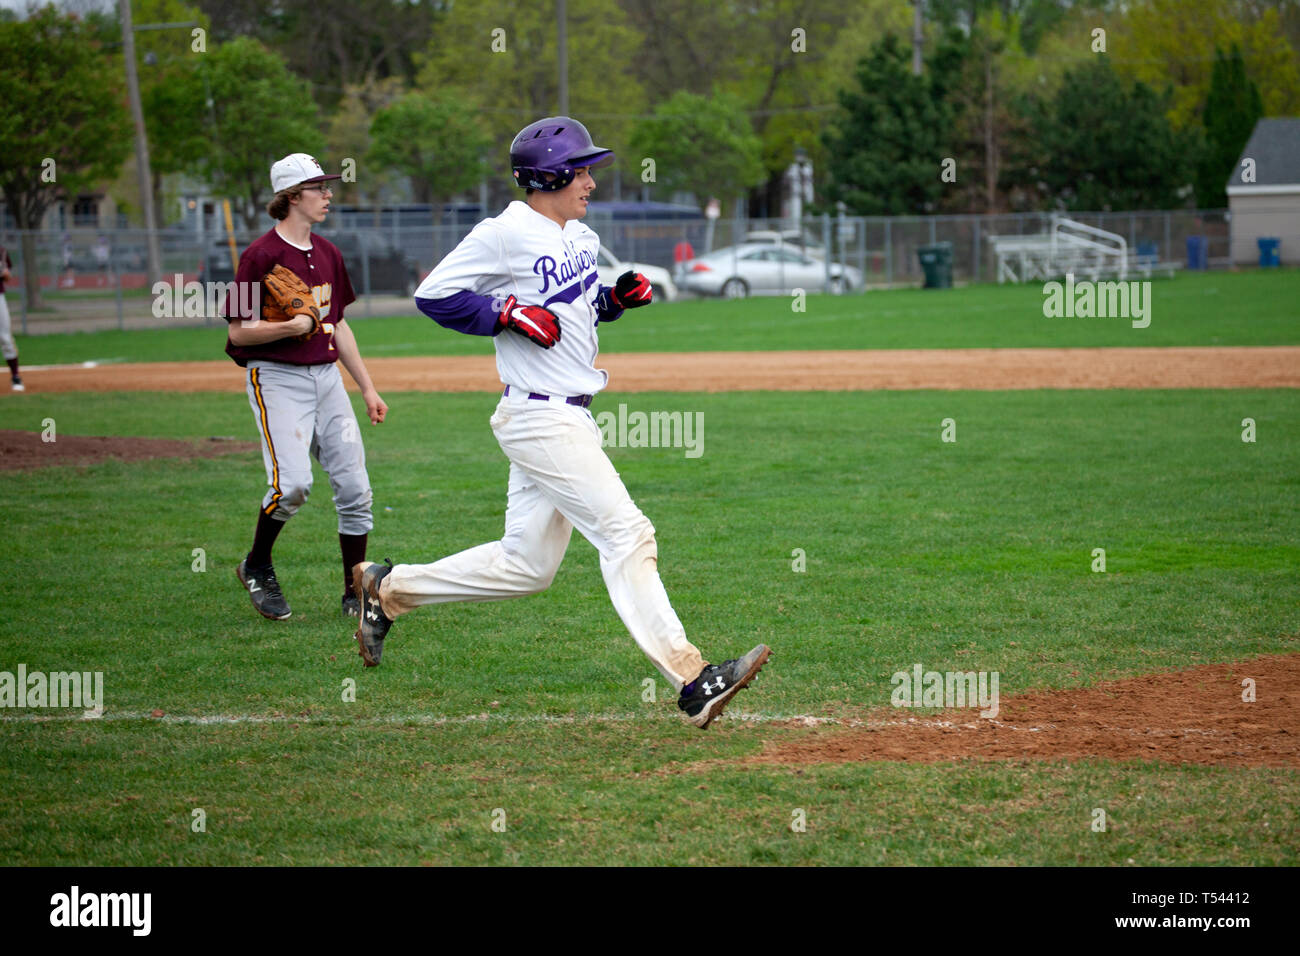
1220 308
972 555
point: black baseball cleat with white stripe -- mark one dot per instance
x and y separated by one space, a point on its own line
366 578
703 698
263 590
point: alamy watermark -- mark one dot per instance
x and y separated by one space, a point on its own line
179 299
129 910
81 689
921 688
626 429
1086 299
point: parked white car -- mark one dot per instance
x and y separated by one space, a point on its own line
761 268
609 267
790 238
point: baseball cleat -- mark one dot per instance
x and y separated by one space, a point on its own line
351 606
17 384
366 578
704 698
263 590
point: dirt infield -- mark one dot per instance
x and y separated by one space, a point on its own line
1194 716
1272 367
23 451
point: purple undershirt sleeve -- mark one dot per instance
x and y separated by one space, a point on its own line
466 312
606 311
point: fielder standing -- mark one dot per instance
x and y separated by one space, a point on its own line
7 346
528 278
294 386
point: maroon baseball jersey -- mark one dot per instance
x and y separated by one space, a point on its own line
321 268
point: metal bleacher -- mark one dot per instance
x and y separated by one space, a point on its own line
1070 247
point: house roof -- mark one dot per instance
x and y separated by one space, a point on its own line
1274 145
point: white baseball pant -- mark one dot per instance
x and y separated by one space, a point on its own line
7 347
560 478
304 411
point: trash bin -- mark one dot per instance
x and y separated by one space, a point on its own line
936 261
1197 257
1270 256
1148 253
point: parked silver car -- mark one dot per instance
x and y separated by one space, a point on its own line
762 268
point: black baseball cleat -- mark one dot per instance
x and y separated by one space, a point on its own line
351 606
366 578
263 590
704 698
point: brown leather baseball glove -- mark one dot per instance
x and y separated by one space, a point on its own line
289 296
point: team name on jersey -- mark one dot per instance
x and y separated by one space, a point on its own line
567 270
323 293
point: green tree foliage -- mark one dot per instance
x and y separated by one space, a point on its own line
1172 42
1232 109
1105 143
348 135
500 57
886 146
63 124
701 144
437 141
259 112
334 44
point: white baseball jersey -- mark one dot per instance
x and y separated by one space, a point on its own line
525 254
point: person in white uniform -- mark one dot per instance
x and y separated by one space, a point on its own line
528 278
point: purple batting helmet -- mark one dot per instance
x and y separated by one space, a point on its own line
558 145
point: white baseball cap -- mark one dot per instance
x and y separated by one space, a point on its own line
297 168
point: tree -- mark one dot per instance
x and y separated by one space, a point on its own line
701 144
1107 144
436 141
348 132
333 44
260 112
174 125
887 143
1232 109
63 124
1172 42
500 57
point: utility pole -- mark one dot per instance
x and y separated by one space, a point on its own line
143 168
916 37
563 29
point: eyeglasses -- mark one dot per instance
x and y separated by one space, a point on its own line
321 188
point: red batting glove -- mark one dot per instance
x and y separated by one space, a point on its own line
531 321
631 290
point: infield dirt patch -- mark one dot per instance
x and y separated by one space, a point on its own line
1193 716
849 370
23 451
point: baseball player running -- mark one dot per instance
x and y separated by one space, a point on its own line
7 347
528 278
294 386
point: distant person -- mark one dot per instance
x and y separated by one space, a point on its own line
101 253
7 346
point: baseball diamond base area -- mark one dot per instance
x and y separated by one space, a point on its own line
1191 716
979 368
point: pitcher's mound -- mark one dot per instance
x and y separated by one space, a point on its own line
22 451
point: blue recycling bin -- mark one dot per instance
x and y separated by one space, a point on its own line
1270 253
1148 253
1197 253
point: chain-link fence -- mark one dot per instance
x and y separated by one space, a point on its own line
94 280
